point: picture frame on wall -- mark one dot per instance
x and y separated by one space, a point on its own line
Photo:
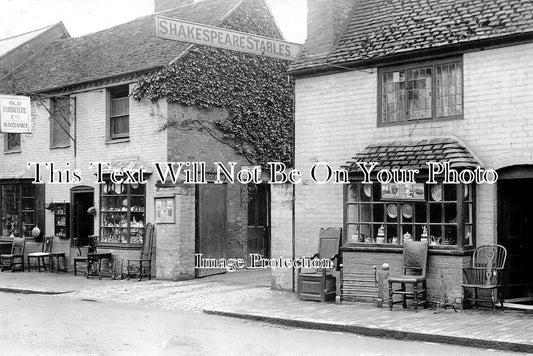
165 210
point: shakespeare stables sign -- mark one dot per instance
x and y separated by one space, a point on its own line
190 32
15 114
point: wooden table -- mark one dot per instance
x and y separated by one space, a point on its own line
97 257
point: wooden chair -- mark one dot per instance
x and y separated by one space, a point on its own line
415 256
485 275
17 253
45 252
142 266
320 285
82 255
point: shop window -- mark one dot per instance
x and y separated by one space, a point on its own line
17 209
421 92
12 142
122 213
391 213
119 113
60 122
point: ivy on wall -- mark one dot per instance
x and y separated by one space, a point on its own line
254 90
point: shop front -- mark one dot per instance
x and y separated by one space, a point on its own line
380 217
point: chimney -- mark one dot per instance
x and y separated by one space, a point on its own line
163 5
326 19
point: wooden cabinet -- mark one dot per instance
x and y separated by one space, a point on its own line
62 220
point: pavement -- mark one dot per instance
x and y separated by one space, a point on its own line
247 295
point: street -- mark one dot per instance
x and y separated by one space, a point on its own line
51 325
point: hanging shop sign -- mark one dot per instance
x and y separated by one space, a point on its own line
191 32
15 114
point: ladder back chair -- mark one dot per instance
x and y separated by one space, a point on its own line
40 256
141 267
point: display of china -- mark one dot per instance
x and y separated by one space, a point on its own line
380 239
368 240
395 240
424 235
381 235
354 238
407 236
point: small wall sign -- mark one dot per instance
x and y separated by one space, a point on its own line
15 114
165 210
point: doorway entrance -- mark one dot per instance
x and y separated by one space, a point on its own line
515 231
211 217
259 220
81 222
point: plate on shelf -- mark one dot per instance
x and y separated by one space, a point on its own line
466 190
392 211
407 211
118 188
134 185
367 189
106 188
436 192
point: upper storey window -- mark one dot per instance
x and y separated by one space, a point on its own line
119 113
420 92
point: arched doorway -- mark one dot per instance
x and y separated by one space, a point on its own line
515 230
81 222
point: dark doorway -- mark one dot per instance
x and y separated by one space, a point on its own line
211 224
259 220
81 222
515 233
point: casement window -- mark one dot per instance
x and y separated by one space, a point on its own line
119 113
17 209
421 92
12 142
60 122
389 214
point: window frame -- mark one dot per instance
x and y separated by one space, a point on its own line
111 92
463 200
53 122
21 210
113 213
16 149
418 65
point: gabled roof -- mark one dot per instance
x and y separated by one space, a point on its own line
10 43
126 48
415 154
381 28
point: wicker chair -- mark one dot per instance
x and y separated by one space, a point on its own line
484 279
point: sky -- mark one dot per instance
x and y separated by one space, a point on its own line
82 17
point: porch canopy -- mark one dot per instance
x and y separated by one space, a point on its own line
411 154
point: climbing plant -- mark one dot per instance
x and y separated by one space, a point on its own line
255 90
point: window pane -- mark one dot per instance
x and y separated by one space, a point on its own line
13 141
10 210
120 106
393 97
351 214
365 213
120 126
60 121
419 93
449 82
378 213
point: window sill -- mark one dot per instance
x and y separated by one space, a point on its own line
118 140
58 147
9 152
389 248
118 246
419 121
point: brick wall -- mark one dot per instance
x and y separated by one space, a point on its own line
145 144
336 118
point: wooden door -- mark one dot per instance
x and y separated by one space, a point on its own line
211 224
515 233
258 240
81 222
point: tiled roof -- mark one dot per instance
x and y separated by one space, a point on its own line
126 48
380 28
9 44
415 154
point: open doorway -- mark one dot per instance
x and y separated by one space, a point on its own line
515 232
259 220
81 222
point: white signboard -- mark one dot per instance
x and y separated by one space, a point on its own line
15 114
191 32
